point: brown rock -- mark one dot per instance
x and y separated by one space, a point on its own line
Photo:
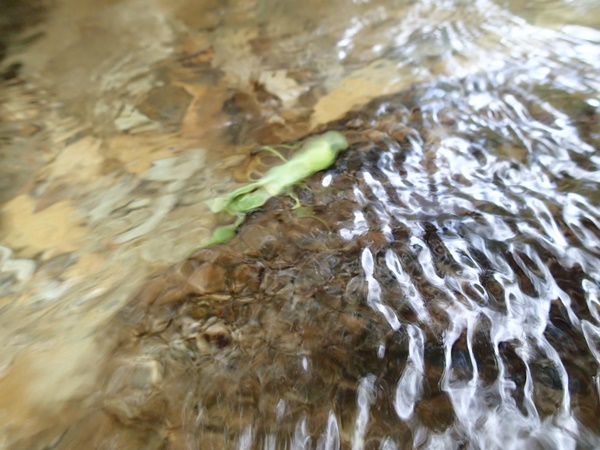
245 278
436 412
208 279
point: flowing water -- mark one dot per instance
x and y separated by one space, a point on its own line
438 289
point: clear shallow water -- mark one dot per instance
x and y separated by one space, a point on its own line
510 269
451 301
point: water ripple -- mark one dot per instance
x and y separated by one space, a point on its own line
451 298
496 199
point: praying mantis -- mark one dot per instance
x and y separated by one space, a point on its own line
317 153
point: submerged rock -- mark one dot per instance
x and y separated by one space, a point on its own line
374 311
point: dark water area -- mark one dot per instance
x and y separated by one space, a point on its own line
438 288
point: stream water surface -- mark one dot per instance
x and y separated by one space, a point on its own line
439 288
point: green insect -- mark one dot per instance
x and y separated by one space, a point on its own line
315 155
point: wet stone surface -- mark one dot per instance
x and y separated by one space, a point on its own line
439 288
257 332
388 315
